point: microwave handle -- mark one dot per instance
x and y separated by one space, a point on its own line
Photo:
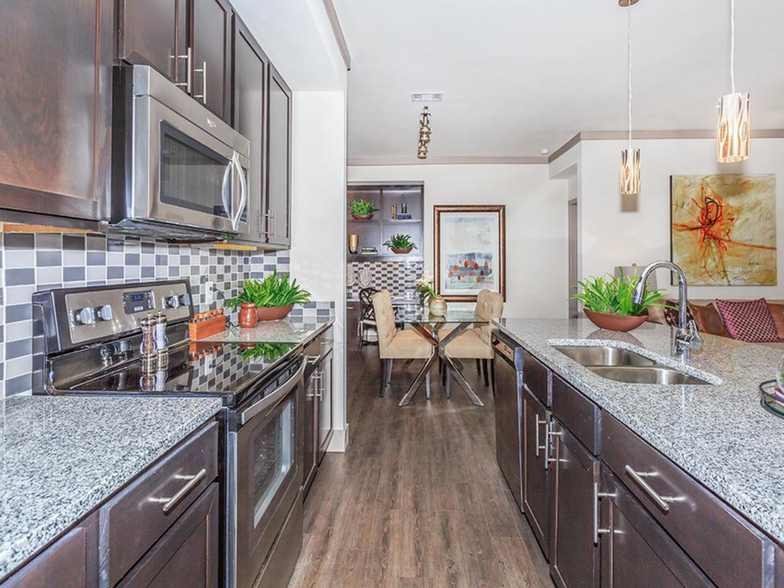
243 191
226 195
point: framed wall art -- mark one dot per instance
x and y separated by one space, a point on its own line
470 251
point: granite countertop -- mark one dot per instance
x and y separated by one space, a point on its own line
61 457
292 329
719 434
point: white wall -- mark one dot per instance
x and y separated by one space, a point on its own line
536 223
621 230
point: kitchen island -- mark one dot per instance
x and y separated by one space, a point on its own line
717 433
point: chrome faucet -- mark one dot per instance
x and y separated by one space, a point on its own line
687 337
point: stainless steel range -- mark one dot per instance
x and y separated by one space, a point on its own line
93 338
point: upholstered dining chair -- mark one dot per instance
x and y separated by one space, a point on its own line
475 343
394 344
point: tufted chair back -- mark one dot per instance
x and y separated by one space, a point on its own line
489 305
385 320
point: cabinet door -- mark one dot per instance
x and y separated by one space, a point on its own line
536 468
211 43
309 426
154 32
250 79
636 550
574 557
325 407
187 554
278 161
508 425
55 106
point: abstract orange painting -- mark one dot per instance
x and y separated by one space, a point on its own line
724 229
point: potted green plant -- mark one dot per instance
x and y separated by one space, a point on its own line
400 244
608 302
361 210
427 294
274 296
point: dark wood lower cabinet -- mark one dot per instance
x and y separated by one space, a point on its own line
309 428
187 554
574 557
636 551
536 500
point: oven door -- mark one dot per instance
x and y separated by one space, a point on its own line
183 174
267 444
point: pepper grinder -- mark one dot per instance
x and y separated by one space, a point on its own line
147 349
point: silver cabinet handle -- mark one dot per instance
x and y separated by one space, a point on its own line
548 432
203 72
188 72
538 423
596 496
169 504
639 477
320 387
312 359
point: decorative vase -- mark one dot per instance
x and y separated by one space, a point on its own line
274 313
437 306
402 251
615 322
248 316
361 217
353 243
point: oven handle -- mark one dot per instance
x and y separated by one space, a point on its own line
273 399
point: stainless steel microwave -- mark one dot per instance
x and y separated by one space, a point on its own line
180 172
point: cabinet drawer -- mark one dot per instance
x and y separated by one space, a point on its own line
581 416
138 516
720 542
536 377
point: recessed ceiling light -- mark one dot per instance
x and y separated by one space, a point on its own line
427 97
544 151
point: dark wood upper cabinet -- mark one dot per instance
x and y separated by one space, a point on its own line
279 161
250 89
211 42
155 33
56 101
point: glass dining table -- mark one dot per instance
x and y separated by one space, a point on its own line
430 327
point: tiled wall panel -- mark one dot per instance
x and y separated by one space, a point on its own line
395 276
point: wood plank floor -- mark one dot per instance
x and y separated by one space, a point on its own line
418 499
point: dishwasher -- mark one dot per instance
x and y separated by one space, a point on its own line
509 413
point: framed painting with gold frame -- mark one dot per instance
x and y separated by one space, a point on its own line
470 251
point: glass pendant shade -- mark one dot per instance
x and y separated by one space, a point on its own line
630 171
734 135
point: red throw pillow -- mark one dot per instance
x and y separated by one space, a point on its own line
749 320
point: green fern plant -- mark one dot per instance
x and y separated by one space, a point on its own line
271 292
611 295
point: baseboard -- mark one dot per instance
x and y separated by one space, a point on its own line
339 442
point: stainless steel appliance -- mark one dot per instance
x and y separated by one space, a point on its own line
509 413
180 172
92 346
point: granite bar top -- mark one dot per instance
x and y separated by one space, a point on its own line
719 434
62 457
292 329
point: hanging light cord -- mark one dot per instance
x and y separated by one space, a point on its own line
629 46
732 44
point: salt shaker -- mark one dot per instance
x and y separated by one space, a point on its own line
148 349
161 340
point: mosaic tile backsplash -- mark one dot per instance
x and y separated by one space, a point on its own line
45 261
395 276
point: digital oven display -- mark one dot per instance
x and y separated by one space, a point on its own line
134 302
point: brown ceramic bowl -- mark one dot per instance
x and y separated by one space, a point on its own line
615 322
402 251
273 314
362 216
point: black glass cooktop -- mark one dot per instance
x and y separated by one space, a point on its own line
229 370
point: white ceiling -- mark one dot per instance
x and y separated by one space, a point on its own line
520 75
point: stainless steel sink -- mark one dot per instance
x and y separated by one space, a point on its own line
604 356
648 375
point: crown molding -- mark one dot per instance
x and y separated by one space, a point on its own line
337 30
475 160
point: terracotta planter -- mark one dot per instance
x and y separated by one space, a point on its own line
615 322
362 216
248 315
274 313
402 251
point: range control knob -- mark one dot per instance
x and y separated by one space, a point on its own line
85 316
105 313
172 302
185 299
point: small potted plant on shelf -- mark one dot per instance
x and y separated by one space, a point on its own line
400 244
608 302
435 304
274 296
361 210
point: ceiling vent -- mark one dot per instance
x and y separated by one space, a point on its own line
427 97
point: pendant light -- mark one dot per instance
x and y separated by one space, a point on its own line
734 128
630 157
424 133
